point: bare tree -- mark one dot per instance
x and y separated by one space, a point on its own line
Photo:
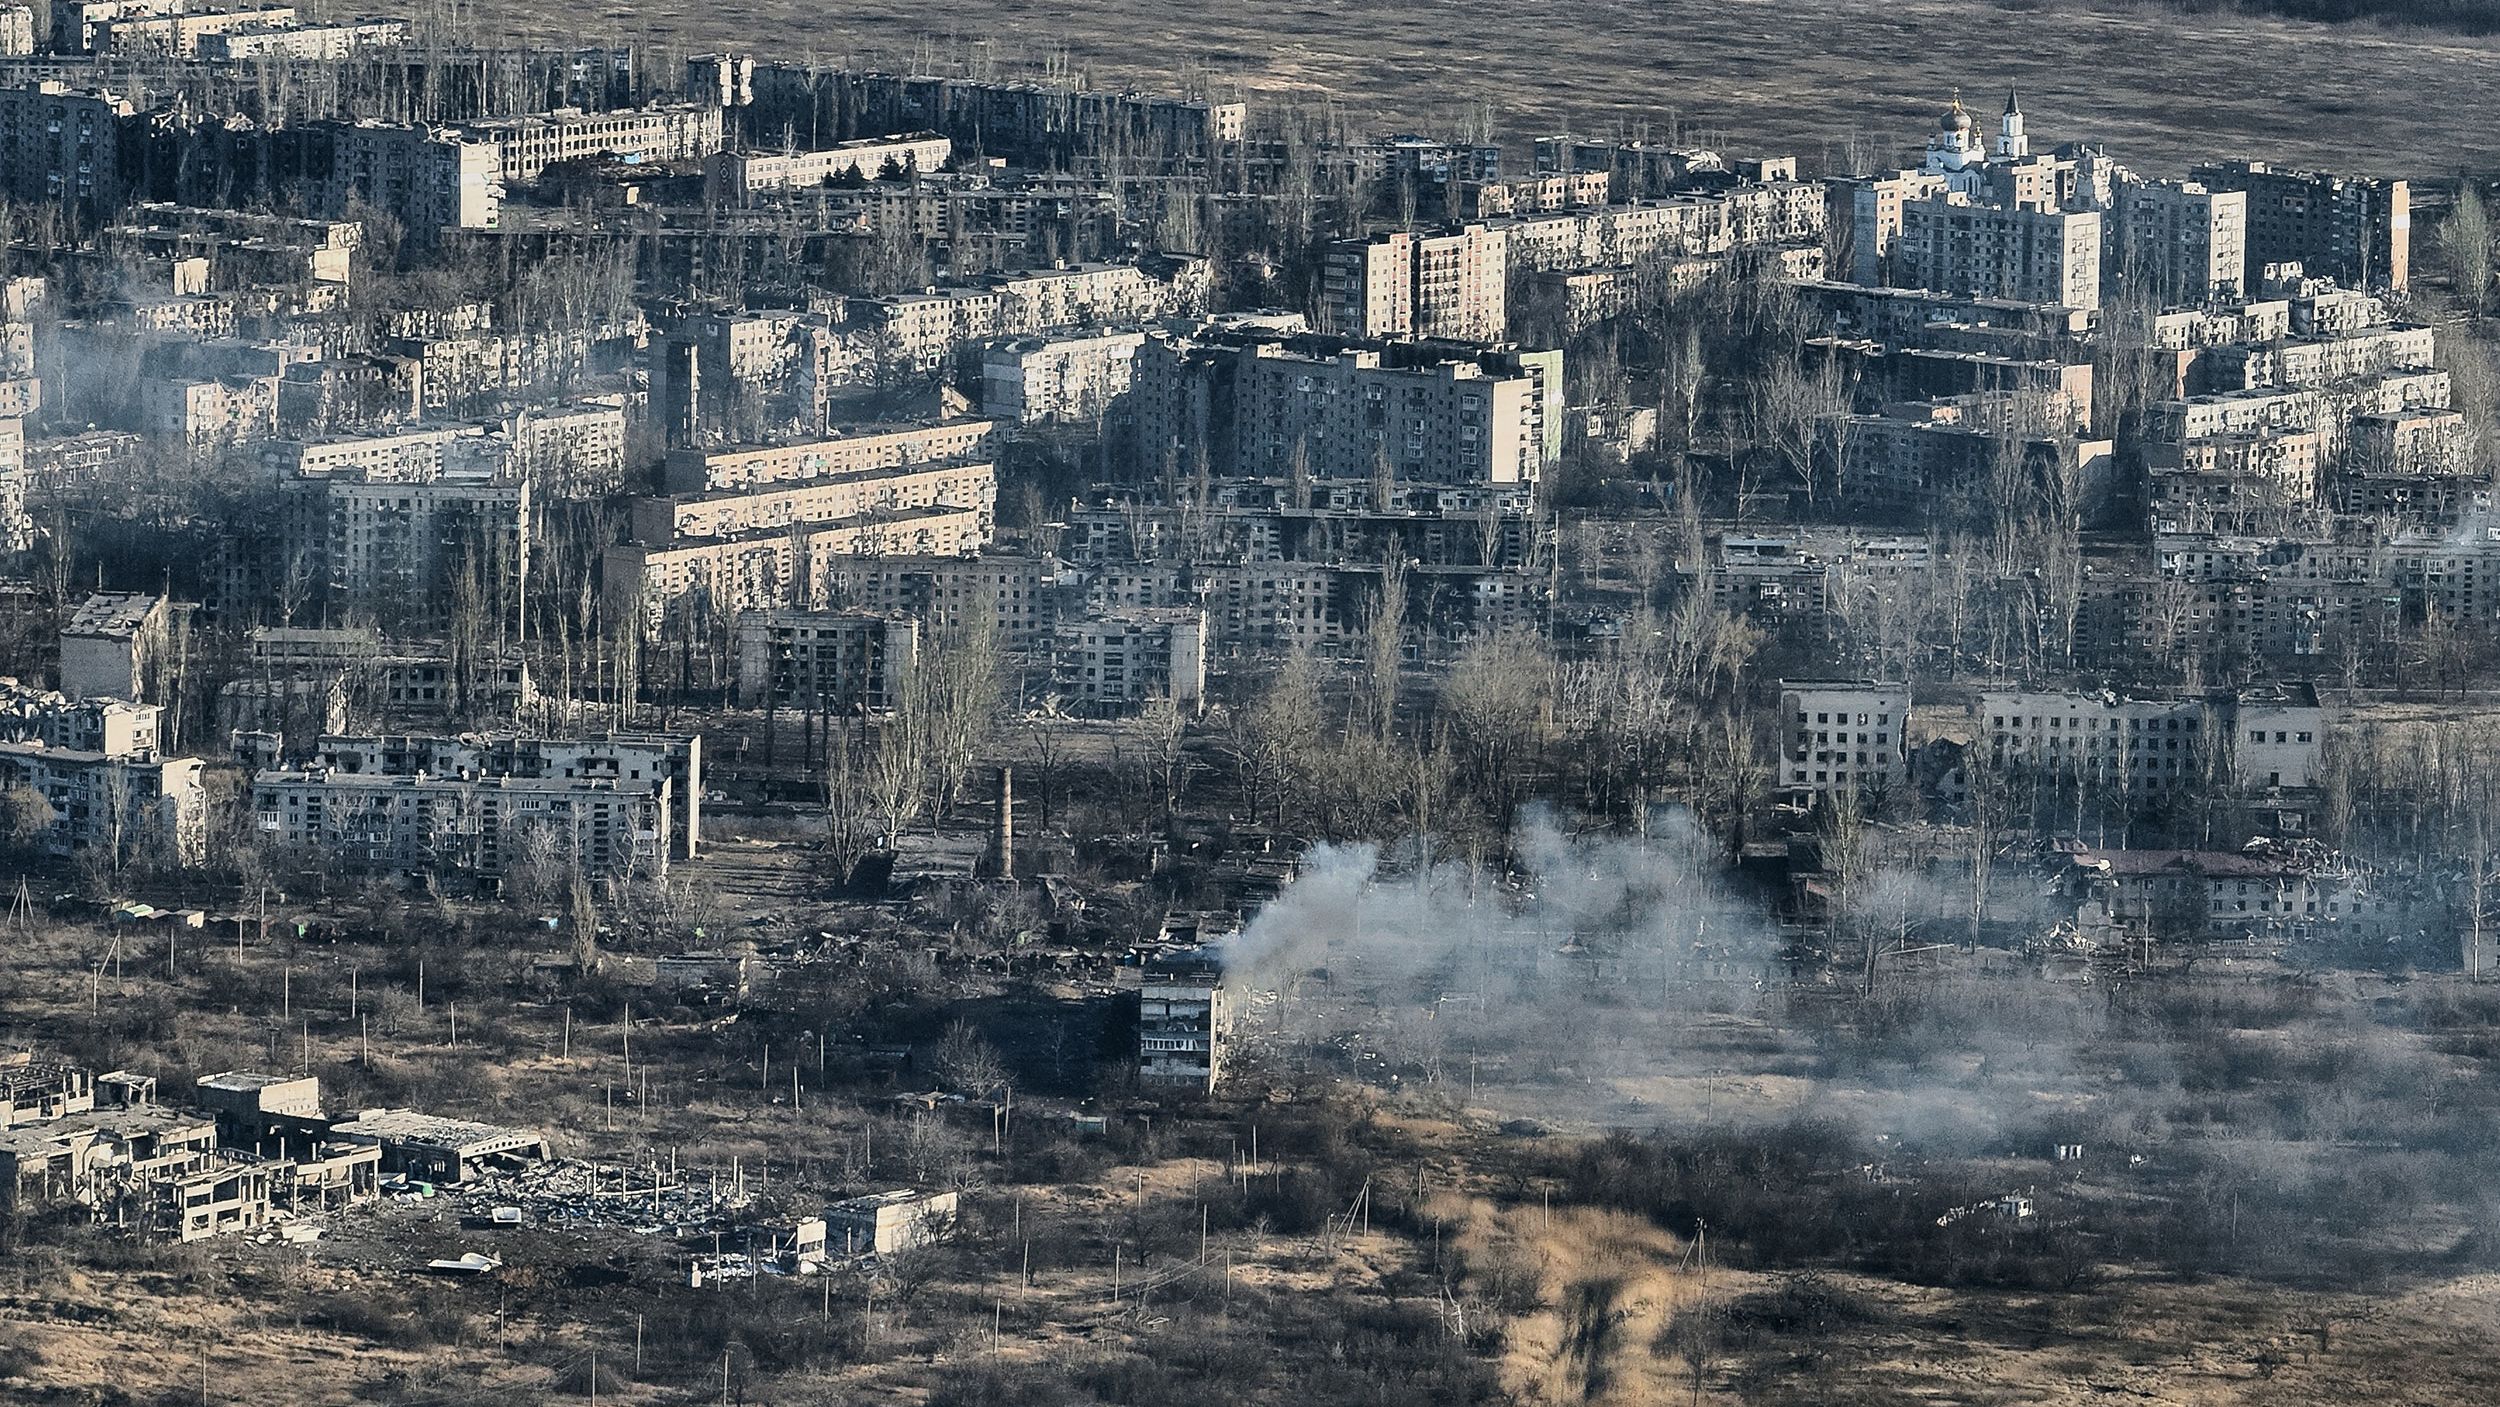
967 1063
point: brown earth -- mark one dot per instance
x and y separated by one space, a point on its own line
2159 88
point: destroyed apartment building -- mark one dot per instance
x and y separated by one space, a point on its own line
1184 1016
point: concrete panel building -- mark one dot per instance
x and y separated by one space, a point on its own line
1030 380
111 644
1411 284
2355 230
1434 413
58 143
401 548
1949 244
807 565
428 178
745 175
1119 663
125 806
453 826
2185 243
788 503
693 471
1842 736
526 146
629 760
841 662
111 726
1184 1018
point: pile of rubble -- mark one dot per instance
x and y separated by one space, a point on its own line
653 1200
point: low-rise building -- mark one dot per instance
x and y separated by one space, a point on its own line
888 1223
427 1148
2271 890
101 1159
744 175
34 1091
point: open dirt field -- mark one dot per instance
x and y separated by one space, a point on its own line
2159 88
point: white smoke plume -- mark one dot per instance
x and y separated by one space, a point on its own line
1656 903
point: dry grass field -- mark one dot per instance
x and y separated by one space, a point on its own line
2160 88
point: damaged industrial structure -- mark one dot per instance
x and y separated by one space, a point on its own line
254 1149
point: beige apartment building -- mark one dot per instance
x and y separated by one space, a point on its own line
2038 256
804 566
1453 422
2184 242
789 502
748 174
1409 284
526 146
753 466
